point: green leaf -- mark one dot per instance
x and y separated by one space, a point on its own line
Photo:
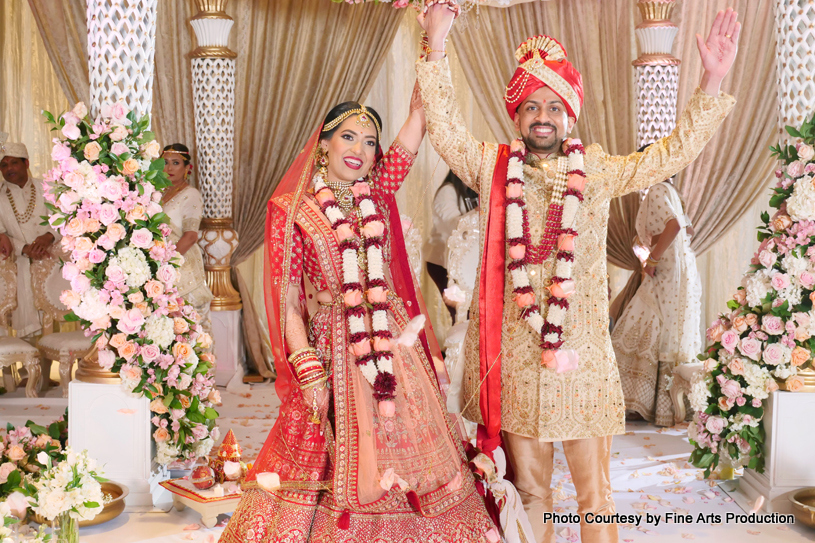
733 304
168 399
157 165
793 132
90 505
71 317
36 429
210 413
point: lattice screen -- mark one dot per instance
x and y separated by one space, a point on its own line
214 97
121 48
657 89
795 24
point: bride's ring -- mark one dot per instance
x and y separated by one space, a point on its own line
727 36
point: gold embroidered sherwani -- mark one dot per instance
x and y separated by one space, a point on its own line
537 402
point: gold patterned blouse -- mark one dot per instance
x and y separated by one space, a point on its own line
536 401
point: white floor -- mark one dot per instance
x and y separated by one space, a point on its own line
649 475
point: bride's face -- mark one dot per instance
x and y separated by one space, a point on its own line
351 150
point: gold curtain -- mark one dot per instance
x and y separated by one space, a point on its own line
28 84
296 59
63 28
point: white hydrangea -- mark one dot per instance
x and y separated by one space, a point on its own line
793 294
202 448
699 394
737 422
68 486
784 372
757 287
91 307
801 204
159 330
794 265
756 378
134 264
166 453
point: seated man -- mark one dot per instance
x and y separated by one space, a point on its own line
22 208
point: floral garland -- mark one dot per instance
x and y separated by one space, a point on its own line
768 336
566 197
103 197
372 350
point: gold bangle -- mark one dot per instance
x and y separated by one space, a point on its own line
313 384
435 51
301 351
652 262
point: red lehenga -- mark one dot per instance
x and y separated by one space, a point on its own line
330 473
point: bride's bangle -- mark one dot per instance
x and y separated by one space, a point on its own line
652 262
308 369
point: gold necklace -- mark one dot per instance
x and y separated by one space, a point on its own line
172 192
29 208
342 193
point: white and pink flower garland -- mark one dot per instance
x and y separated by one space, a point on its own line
372 350
104 199
559 232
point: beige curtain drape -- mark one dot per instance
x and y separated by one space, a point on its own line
734 168
297 59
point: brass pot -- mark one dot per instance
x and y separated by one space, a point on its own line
117 492
808 375
803 506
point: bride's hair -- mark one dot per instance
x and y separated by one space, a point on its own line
181 149
341 109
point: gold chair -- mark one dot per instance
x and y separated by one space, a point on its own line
12 349
66 347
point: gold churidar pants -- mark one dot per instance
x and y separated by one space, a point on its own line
589 463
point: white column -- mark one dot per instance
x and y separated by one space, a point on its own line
112 425
790 436
213 74
657 72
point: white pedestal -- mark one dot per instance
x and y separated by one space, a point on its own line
790 429
228 337
115 429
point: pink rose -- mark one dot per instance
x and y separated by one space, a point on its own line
153 288
731 389
739 324
131 321
515 190
794 383
736 366
119 133
142 238
767 258
5 470
71 131
115 273
780 281
524 299
751 348
166 274
150 352
70 299
373 229
75 227
119 148
805 152
807 279
715 424
344 232
108 214
730 340
773 354
360 189
714 333
800 356
69 271
92 151
772 325
517 252
353 298
80 283
796 169
116 231
96 256
60 153
740 296
361 348
111 189
377 295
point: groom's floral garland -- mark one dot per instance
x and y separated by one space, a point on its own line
372 350
563 207
103 197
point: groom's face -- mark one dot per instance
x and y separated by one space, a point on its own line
543 121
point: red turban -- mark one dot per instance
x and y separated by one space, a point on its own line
543 64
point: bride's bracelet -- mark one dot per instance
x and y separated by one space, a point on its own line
308 369
652 262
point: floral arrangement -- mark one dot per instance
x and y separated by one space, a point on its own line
20 450
767 338
71 486
558 234
104 197
372 350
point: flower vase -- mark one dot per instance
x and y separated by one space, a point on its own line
65 529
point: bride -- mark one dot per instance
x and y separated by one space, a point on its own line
363 449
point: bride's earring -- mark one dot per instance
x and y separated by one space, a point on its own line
322 162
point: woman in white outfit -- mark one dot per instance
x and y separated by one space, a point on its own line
660 327
183 205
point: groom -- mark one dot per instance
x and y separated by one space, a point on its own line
520 381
